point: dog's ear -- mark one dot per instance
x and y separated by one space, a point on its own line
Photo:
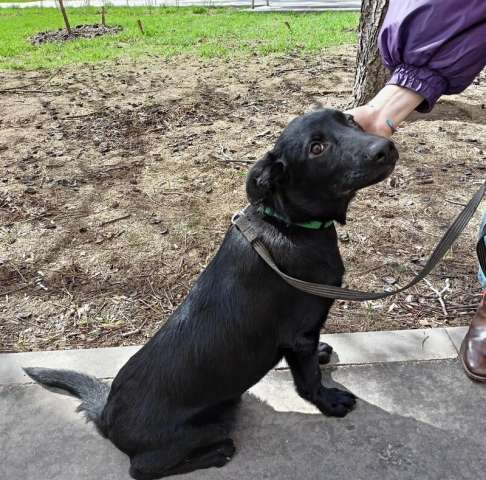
264 177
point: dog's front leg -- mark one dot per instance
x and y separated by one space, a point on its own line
304 364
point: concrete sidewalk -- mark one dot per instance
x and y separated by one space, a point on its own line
418 417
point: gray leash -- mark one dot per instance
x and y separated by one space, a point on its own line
246 228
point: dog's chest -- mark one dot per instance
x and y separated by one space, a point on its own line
318 263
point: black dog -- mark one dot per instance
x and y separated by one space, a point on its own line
168 407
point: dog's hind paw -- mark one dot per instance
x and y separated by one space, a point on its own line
324 352
334 402
223 452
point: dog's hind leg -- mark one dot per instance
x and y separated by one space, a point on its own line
192 449
216 455
156 464
303 361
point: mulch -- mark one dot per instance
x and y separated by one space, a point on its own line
79 31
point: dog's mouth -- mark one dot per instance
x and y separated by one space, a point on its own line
385 172
375 166
361 179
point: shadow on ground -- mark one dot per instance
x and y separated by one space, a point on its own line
455 110
413 421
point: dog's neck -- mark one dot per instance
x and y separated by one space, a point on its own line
295 211
311 224
303 253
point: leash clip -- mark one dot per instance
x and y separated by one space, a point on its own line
238 214
243 224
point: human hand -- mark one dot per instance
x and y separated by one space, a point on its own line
382 115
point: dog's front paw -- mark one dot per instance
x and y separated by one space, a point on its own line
324 352
334 402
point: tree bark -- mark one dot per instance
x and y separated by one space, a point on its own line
370 75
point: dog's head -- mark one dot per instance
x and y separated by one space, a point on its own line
318 163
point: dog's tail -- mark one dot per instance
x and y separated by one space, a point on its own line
90 390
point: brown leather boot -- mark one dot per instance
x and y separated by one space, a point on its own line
473 348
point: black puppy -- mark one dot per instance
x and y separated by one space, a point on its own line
168 406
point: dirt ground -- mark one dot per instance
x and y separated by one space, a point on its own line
119 180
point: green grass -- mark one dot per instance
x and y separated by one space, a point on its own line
194 31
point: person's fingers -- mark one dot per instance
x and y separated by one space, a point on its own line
363 116
372 121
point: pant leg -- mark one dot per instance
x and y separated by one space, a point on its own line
481 274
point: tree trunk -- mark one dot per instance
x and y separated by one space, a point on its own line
64 14
371 75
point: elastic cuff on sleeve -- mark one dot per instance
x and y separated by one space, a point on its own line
426 82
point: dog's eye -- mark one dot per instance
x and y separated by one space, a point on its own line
317 148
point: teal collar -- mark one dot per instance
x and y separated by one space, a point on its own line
312 225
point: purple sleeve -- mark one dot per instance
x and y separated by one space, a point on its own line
434 47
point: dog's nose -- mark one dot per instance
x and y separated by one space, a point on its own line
383 150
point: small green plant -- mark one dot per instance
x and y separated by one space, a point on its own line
199 10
